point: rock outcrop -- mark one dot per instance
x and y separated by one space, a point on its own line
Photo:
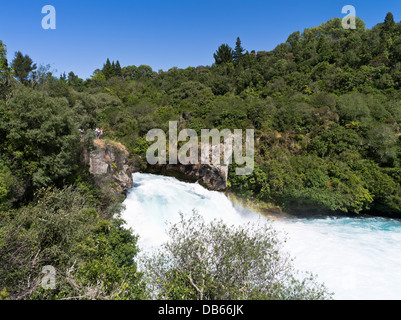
110 166
211 177
112 169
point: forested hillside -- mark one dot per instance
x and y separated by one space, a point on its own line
325 106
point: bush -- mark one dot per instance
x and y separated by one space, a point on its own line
93 258
214 261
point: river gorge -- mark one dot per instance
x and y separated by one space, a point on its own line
356 257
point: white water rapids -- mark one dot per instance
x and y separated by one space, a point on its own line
356 258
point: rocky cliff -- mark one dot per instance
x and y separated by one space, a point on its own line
211 177
112 169
110 166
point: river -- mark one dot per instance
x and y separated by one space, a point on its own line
357 258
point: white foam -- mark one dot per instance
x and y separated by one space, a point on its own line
358 259
355 258
156 200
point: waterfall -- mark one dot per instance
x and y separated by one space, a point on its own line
357 258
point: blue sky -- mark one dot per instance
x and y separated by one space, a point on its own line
163 34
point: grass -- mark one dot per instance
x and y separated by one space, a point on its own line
107 142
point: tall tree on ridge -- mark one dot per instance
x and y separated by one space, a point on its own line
389 23
22 66
238 52
113 69
108 69
118 70
389 20
4 71
224 54
3 61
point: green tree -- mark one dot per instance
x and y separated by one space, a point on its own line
118 70
353 107
98 78
108 69
214 261
74 81
224 54
41 137
4 69
389 21
93 258
4 72
8 186
238 51
23 67
382 144
323 49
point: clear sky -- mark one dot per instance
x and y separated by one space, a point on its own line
163 34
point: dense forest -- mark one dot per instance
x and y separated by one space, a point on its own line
326 110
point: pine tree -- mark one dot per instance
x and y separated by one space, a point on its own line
118 70
22 66
113 69
5 87
389 20
108 69
224 54
238 52
389 23
4 69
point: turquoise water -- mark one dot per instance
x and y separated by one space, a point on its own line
357 258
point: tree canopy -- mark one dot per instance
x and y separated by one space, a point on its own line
23 67
224 54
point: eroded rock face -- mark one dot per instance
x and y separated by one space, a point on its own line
112 170
212 178
110 165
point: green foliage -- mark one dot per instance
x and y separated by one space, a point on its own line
40 137
141 145
327 94
389 21
325 106
5 72
326 109
60 229
298 116
353 107
7 185
224 54
108 70
214 261
23 67
111 69
238 51
4 68
75 82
